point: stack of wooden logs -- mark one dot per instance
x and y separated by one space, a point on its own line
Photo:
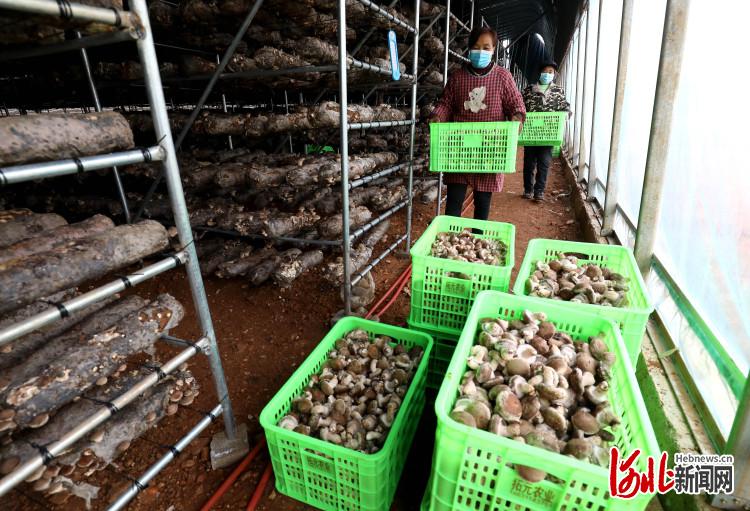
56 377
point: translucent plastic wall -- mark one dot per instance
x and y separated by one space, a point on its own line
699 280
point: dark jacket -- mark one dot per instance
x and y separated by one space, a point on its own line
552 100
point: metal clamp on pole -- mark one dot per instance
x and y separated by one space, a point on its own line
372 223
377 124
458 55
376 69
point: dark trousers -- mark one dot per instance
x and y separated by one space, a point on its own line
455 201
539 158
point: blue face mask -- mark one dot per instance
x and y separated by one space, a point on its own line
546 78
480 58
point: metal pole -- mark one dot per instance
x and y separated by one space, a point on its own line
228 54
344 149
171 172
224 107
73 11
610 198
415 71
98 108
575 99
670 67
471 16
592 170
445 82
139 484
581 164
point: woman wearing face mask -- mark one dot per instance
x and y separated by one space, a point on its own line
478 92
544 96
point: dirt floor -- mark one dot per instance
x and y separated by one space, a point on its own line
264 334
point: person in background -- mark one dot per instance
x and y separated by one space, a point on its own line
543 96
480 91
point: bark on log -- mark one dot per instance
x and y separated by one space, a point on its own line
359 256
9 215
263 271
433 46
53 238
29 138
288 271
42 384
243 264
330 173
288 224
313 49
388 199
227 251
24 227
23 281
429 195
331 227
20 349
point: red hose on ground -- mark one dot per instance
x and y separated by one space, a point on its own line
258 493
229 481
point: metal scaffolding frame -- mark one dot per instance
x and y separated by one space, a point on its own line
164 152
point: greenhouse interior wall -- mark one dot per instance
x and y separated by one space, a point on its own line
651 160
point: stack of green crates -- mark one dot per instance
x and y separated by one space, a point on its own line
475 469
476 147
543 129
632 318
443 290
329 476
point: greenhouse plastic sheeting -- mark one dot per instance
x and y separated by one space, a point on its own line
704 229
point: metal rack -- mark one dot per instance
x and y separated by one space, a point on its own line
134 22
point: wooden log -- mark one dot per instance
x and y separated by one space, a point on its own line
22 281
20 349
359 256
388 199
24 227
9 215
246 261
287 224
29 138
433 46
330 172
363 292
226 251
331 227
429 195
312 49
288 271
53 238
53 376
263 271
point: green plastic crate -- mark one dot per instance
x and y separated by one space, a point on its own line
631 319
442 351
332 477
476 147
556 151
441 302
473 469
543 128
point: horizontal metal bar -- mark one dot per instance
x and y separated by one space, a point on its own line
262 237
458 55
28 467
378 124
460 23
628 221
377 69
387 15
129 34
32 171
360 275
140 484
55 313
257 73
72 11
372 223
176 341
377 175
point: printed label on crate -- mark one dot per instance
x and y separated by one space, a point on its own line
473 140
457 288
533 492
319 464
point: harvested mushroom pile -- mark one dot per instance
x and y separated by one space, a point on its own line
564 279
529 382
464 246
355 398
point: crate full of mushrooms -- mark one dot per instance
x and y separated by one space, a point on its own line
452 261
340 428
533 399
596 278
